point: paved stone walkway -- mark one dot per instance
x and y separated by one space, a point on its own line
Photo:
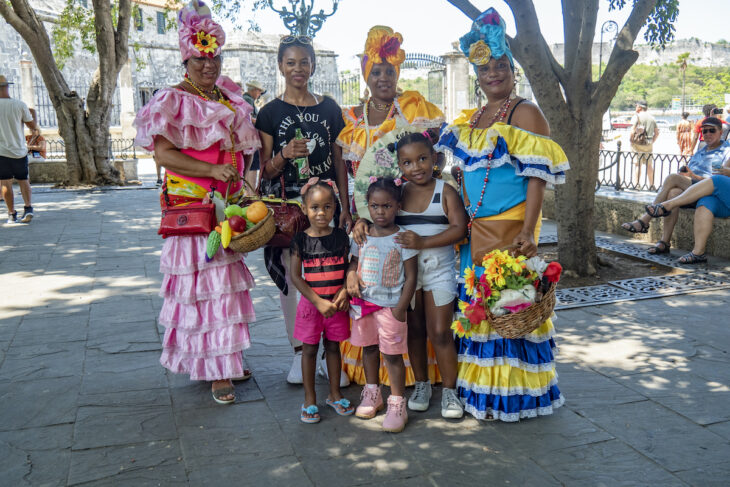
83 399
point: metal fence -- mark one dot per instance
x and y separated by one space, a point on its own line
118 149
618 169
46 113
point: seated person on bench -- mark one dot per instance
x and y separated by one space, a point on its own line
701 166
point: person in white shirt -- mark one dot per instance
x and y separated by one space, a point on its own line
14 151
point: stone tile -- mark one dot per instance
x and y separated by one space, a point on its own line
603 464
562 429
281 471
43 361
53 402
131 311
148 463
116 372
235 416
669 439
708 476
9 325
722 429
140 336
705 409
64 328
187 394
36 456
148 397
585 387
100 426
671 382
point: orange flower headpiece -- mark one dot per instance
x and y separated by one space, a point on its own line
382 46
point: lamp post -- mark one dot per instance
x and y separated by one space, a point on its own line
299 19
606 27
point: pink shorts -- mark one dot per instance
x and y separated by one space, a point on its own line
310 324
383 329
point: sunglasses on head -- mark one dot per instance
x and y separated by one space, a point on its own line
296 39
709 130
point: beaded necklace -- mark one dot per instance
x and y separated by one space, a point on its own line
365 111
381 107
498 117
223 101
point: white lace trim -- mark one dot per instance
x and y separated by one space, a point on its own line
507 391
511 361
512 417
530 337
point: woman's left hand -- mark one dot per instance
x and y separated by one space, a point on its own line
409 240
346 221
722 171
525 243
224 172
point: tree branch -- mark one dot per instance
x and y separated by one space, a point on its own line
622 55
583 62
122 33
15 21
466 7
572 13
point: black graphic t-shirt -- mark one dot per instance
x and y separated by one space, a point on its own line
321 122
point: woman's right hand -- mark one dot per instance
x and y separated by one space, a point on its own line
354 284
295 148
361 231
224 172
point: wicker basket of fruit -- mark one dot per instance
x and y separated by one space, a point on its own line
243 230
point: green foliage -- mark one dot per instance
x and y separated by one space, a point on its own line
660 24
75 28
418 84
659 84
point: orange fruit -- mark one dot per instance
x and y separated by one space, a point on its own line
256 212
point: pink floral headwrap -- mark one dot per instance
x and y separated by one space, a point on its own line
199 35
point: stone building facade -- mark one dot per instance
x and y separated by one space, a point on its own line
154 62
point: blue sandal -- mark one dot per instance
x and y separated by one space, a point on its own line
341 407
310 414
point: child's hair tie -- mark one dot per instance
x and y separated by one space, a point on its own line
397 181
427 135
373 179
311 182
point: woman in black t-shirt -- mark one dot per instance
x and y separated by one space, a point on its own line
320 120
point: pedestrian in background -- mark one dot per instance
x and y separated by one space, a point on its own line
644 133
684 135
697 134
254 90
14 151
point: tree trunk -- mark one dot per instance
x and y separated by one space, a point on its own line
85 134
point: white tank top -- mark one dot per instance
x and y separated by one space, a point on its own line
432 220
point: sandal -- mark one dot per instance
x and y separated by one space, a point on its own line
631 227
341 407
692 258
219 394
657 211
661 247
245 376
310 414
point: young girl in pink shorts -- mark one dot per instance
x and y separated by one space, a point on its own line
381 280
321 251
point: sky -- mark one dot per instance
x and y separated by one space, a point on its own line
431 26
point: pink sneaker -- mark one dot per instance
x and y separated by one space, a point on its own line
371 401
396 417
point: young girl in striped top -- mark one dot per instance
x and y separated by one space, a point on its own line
433 219
322 252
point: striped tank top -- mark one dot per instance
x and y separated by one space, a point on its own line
432 220
324 260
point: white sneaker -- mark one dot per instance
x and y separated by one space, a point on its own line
421 397
295 373
451 407
322 371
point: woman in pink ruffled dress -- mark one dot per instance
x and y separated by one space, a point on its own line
201 133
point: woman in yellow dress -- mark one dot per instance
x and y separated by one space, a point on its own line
506 158
383 115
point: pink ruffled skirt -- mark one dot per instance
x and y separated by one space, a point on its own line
206 309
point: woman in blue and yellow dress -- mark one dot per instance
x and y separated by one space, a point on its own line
506 158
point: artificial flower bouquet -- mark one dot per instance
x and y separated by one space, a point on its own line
513 294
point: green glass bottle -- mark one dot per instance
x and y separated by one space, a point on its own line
301 163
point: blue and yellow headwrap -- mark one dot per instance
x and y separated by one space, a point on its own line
486 40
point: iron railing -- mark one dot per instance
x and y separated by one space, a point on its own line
618 169
118 149
46 113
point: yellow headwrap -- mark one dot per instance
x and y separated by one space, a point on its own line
382 46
